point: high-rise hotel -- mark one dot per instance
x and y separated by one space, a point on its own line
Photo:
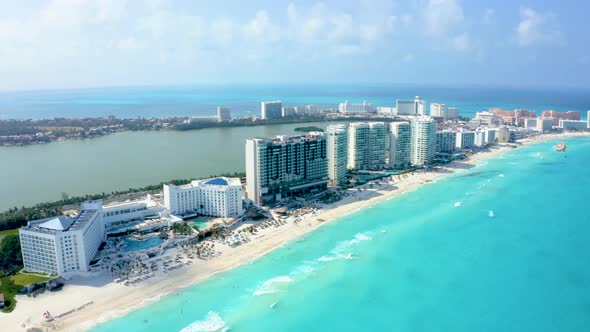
367 145
59 245
399 145
285 166
423 138
337 142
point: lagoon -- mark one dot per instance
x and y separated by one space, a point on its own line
39 173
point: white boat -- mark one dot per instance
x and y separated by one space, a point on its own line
491 214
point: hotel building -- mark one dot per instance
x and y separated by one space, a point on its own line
555 116
491 134
503 135
367 145
423 140
285 167
288 111
415 107
573 124
337 142
530 123
400 154
271 109
61 244
347 107
544 124
452 113
480 138
465 139
217 197
223 114
445 141
487 119
438 110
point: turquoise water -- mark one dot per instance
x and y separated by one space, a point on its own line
134 245
419 263
162 101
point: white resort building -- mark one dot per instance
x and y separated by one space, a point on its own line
347 107
367 145
61 244
337 142
438 110
415 107
399 145
217 197
423 138
285 167
465 139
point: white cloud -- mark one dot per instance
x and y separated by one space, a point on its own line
461 42
442 15
537 29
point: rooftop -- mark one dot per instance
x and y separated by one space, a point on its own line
217 182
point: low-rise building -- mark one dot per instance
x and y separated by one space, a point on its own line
573 124
347 108
217 197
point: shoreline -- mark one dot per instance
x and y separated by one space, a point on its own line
111 300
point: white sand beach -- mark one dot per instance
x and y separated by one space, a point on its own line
111 300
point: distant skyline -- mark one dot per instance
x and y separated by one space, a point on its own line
83 43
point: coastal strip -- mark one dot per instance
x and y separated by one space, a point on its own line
111 300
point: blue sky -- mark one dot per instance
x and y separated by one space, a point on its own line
84 43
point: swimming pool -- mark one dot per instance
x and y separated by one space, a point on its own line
135 245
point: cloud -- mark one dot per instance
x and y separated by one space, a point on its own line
461 42
442 15
536 29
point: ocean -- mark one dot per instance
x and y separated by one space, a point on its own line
499 247
157 101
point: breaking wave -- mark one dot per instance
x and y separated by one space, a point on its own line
212 323
272 286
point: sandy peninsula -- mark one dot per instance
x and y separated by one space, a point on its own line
103 300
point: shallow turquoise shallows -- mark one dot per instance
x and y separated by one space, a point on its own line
513 256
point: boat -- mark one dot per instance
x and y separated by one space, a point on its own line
491 214
561 147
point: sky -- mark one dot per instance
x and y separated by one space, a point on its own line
93 43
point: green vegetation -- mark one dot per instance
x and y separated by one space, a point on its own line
308 129
9 289
10 257
8 232
17 217
23 279
182 229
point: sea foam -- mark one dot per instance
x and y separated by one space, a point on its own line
212 322
272 286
